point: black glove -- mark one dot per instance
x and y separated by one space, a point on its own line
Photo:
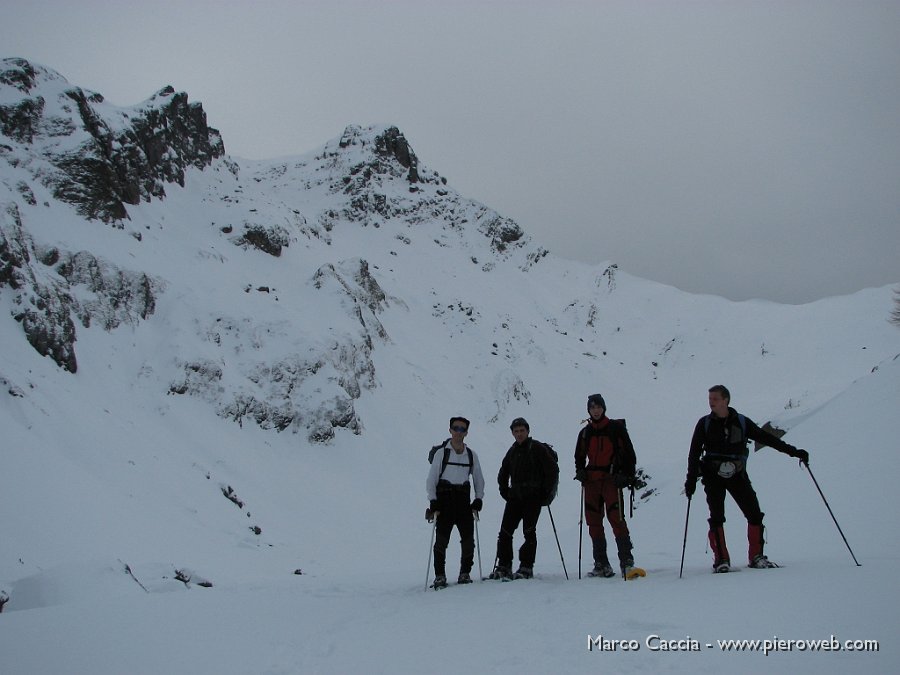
429 515
433 505
476 504
621 480
690 486
504 492
802 455
581 475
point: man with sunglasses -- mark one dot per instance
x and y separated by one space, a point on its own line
449 490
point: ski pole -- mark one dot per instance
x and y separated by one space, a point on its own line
684 545
430 548
580 530
557 542
478 547
831 512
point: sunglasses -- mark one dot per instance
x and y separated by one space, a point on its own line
459 429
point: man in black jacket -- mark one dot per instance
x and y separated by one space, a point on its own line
528 479
719 455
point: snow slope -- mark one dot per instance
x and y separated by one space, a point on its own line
360 601
302 553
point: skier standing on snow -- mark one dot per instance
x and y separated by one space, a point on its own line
719 455
604 465
448 489
528 478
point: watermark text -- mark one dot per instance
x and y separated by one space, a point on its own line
657 643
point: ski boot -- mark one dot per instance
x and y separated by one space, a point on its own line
721 559
464 578
440 581
501 572
761 562
602 569
524 573
626 560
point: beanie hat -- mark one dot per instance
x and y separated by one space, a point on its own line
596 399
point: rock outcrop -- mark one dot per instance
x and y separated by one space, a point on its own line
290 356
101 162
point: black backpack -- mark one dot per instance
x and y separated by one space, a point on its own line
741 420
446 460
552 455
744 438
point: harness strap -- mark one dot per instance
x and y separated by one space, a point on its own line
447 461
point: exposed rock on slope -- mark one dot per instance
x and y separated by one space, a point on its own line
293 355
96 158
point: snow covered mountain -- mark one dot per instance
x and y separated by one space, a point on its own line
221 372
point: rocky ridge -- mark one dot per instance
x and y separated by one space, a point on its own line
65 147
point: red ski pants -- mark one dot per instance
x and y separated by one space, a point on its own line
603 496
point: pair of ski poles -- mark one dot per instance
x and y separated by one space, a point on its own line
478 547
581 519
822 494
431 548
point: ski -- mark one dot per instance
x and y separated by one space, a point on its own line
448 585
507 579
732 570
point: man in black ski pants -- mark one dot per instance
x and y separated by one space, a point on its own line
719 454
528 478
448 489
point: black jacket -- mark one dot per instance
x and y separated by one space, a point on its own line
726 439
528 471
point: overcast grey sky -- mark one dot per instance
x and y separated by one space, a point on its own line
747 149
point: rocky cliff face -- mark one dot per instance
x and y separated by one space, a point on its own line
98 160
41 303
95 158
52 289
285 329
312 384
